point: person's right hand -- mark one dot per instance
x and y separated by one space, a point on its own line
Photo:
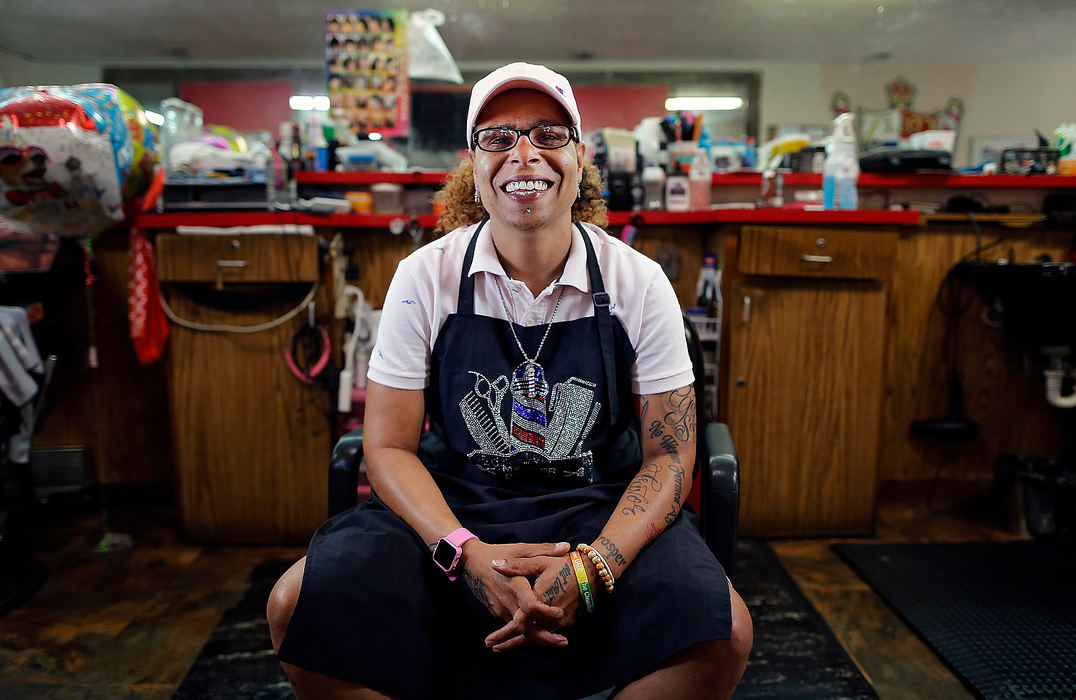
512 598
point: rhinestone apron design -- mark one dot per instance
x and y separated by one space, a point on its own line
548 424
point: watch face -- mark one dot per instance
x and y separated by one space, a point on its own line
444 554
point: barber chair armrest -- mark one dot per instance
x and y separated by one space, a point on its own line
720 476
344 472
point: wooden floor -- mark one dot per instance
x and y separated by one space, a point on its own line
129 623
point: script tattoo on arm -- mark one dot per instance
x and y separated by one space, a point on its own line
637 496
559 584
678 489
612 551
680 419
479 591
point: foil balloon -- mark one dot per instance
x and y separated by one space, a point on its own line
226 138
70 156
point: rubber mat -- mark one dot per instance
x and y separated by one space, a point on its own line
1002 616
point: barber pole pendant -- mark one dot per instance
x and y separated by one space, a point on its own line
531 378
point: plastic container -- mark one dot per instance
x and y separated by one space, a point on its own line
361 202
653 187
708 287
840 170
677 197
1064 140
701 180
388 198
681 155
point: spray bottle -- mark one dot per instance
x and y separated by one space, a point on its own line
840 170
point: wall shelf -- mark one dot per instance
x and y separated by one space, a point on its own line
369 177
766 216
256 218
742 178
913 180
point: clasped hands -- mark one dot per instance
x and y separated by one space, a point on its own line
500 576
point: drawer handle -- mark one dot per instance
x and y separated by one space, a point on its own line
746 309
817 258
231 263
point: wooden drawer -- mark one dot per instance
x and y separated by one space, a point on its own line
816 252
242 258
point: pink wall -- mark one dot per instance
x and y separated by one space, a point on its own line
619 106
263 105
243 106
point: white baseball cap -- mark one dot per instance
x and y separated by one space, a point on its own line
522 75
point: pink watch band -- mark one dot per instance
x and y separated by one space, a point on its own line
449 549
459 536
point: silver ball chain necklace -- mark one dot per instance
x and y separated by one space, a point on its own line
531 369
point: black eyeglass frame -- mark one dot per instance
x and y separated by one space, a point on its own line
572 136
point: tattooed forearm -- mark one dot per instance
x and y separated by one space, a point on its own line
559 584
479 591
612 551
678 490
642 487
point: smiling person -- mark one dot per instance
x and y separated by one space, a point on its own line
532 542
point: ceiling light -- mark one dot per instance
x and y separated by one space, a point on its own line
306 103
301 103
703 104
154 117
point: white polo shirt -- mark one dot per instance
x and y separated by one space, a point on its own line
425 288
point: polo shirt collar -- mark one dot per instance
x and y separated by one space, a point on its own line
575 269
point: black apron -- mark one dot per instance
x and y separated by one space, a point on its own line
521 454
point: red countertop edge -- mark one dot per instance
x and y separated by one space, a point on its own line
369 177
616 218
256 218
765 216
744 178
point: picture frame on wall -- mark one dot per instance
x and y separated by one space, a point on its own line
366 71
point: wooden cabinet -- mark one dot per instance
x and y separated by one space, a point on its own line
805 318
252 442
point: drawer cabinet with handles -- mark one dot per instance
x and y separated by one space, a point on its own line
810 252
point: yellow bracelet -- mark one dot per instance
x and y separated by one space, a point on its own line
600 564
584 582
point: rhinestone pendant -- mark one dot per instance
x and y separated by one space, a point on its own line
532 381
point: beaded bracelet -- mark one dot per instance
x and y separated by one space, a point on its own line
584 582
600 564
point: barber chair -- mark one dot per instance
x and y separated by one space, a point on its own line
715 492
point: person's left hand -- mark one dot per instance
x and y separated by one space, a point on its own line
555 584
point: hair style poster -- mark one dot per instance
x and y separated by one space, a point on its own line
366 62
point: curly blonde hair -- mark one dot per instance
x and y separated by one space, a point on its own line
457 196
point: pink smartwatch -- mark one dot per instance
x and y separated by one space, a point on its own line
449 549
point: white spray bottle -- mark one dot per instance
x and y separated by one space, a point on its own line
840 170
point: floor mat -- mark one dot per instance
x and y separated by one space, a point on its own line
795 654
1002 616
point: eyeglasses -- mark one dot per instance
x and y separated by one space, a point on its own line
544 136
11 157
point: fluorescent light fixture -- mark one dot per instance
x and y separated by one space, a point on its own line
154 117
306 103
374 136
703 104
